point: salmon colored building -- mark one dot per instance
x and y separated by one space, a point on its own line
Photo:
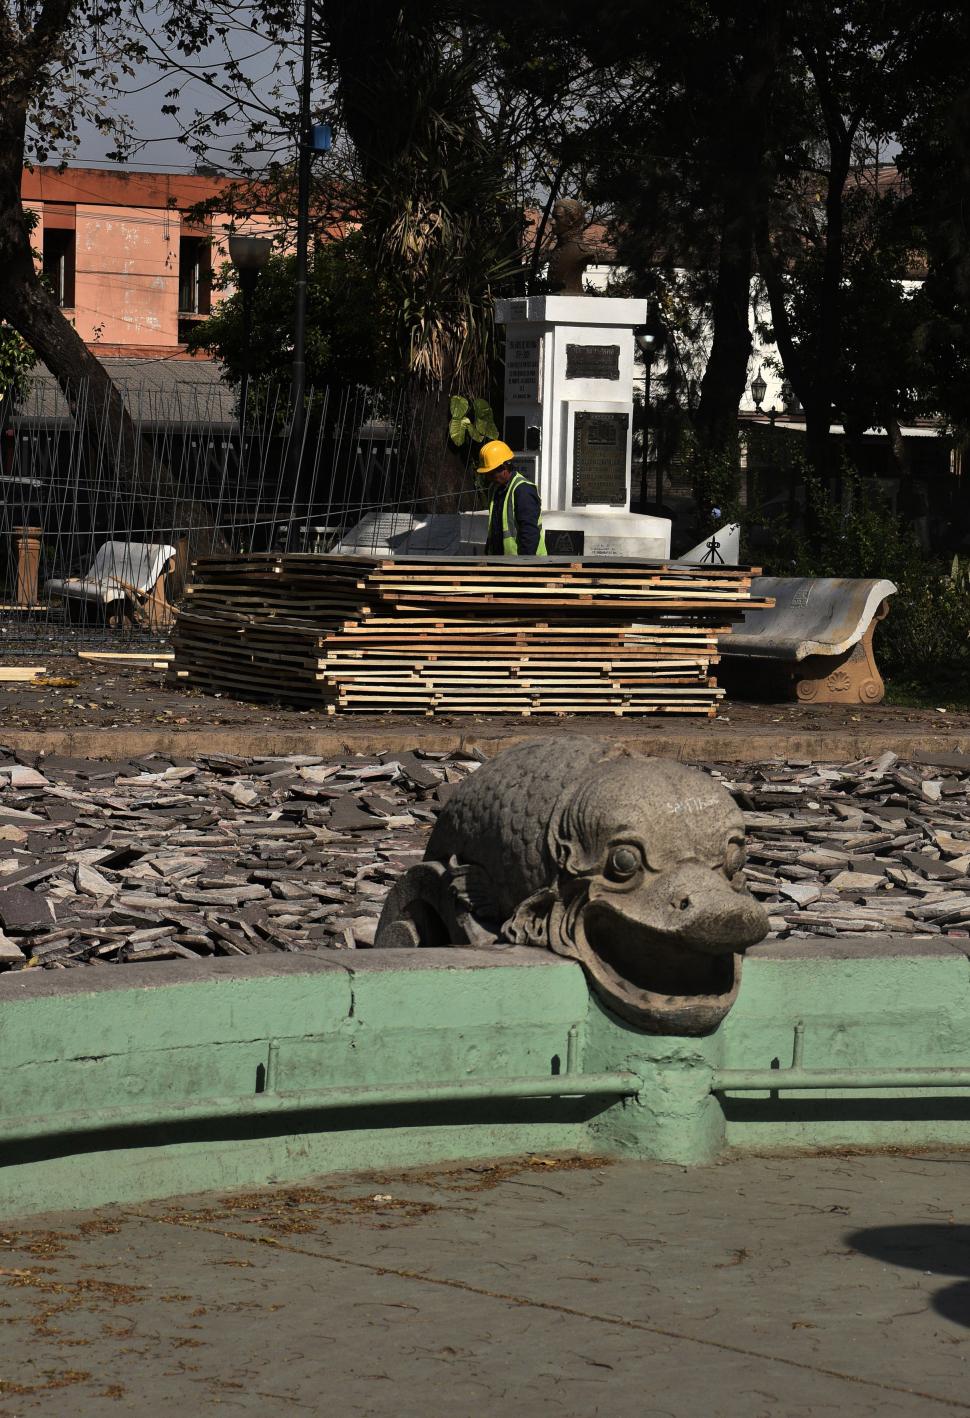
128 266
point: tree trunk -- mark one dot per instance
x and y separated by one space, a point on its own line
854 444
726 371
441 471
897 445
745 198
828 351
385 59
800 374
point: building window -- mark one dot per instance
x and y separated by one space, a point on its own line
59 265
195 275
186 324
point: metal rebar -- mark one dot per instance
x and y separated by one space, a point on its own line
204 468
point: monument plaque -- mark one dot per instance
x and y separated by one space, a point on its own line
522 369
599 459
565 541
592 361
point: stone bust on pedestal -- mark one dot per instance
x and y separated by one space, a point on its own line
572 253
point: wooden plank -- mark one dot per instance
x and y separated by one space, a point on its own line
125 656
20 674
463 635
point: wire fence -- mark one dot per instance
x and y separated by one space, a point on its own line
96 542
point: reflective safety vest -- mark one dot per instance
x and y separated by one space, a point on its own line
510 531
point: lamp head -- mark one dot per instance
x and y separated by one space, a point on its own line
249 253
647 340
758 389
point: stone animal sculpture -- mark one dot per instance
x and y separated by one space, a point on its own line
630 865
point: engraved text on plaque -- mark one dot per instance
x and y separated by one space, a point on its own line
522 369
592 361
599 459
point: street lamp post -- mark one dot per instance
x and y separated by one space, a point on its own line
648 341
304 158
313 138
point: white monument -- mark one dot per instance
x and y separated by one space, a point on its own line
569 418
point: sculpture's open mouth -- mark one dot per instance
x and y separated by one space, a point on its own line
660 967
655 980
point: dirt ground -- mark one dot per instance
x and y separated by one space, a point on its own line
81 694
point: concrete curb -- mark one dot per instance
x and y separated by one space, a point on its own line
749 744
136 1081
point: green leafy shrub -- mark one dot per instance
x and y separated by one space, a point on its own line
924 644
17 359
471 420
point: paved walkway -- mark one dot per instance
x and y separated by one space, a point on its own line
755 1289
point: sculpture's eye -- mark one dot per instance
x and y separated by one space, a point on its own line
734 858
623 863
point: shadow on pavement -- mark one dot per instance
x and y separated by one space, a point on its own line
933 1248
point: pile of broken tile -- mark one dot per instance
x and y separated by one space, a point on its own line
159 859
857 848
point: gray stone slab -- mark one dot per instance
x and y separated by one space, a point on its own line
23 910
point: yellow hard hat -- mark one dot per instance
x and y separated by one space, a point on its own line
493 454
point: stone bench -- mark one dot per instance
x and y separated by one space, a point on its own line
815 645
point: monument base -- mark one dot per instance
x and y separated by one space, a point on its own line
588 533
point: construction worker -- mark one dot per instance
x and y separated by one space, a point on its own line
514 509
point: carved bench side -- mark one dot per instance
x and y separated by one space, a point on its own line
849 678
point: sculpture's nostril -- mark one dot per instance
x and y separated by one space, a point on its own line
684 903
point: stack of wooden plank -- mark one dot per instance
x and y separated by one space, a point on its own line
460 634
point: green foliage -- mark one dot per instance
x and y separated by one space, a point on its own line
17 359
926 640
471 421
438 216
857 535
346 322
715 477
440 263
924 645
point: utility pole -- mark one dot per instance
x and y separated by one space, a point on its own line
304 159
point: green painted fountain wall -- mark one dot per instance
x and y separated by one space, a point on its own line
105 1041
